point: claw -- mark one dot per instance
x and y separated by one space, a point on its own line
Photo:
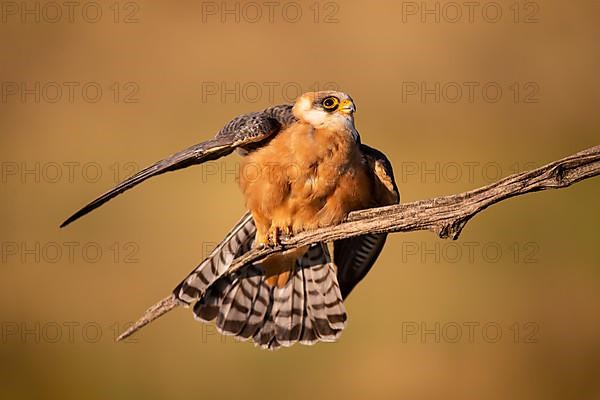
260 245
273 236
285 235
261 241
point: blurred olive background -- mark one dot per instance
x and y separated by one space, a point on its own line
533 271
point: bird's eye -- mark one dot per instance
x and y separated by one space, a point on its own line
330 103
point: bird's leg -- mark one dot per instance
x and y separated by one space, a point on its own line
261 239
272 236
269 232
280 228
285 231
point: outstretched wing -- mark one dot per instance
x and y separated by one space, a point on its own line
247 131
355 256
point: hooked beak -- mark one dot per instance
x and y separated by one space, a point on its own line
347 106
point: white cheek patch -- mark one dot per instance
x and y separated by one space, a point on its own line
316 118
302 106
324 119
305 111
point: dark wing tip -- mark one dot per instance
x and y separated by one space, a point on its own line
155 169
75 216
67 221
90 206
209 150
243 130
72 218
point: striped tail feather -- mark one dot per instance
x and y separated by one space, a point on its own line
238 241
243 303
307 309
325 305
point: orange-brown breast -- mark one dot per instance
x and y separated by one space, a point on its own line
303 179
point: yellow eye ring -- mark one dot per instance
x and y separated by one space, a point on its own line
330 103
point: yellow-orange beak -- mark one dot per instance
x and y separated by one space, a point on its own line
347 106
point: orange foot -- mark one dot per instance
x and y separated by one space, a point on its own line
272 237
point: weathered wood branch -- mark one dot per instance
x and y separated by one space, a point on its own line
446 216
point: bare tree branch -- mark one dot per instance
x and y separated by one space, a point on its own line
446 216
158 309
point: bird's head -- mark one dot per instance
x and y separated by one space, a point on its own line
326 109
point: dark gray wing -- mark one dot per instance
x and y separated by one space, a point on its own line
248 130
355 256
